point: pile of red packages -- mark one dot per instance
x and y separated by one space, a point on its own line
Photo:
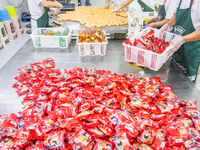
149 42
99 110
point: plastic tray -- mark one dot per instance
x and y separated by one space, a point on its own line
44 41
92 49
148 58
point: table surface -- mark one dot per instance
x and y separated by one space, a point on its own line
69 58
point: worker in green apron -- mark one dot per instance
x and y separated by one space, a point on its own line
39 12
166 10
146 5
186 23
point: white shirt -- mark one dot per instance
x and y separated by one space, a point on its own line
36 8
170 7
195 11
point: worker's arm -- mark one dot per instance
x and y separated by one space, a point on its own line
172 20
168 26
194 36
158 24
125 4
46 3
152 20
106 4
178 41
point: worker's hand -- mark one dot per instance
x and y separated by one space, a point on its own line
59 5
116 9
150 21
106 6
151 25
177 42
166 28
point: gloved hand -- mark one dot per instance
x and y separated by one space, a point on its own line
177 42
166 28
59 5
116 9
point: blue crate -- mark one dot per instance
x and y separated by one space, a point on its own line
26 19
4 16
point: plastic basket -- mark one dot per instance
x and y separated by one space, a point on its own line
11 11
44 41
3 34
1 44
148 58
92 49
17 25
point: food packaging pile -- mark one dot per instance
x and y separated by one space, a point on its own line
53 33
91 36
97 110
95 17
149 42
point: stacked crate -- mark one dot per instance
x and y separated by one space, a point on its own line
5 18
14 18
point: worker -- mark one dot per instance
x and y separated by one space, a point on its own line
166 10
39 12
145 5
85 3
186 22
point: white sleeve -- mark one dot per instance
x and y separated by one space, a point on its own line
195 14
38 2
170 8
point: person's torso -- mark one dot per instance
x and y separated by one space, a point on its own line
36 10
195 11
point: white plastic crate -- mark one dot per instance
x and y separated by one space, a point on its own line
45 41
92 49
148 58
3 34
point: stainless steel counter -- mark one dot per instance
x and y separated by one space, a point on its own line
69 58
76 26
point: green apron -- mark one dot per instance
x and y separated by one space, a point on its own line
161 12
188 56
145 7
44 19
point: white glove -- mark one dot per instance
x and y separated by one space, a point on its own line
177 42
59 5
116 9
166 28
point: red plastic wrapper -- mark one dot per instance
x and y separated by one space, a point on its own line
147 136
55 140
80 139
7 143
98 109
159 144
102 144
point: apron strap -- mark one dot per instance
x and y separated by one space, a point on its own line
191 2
179 4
